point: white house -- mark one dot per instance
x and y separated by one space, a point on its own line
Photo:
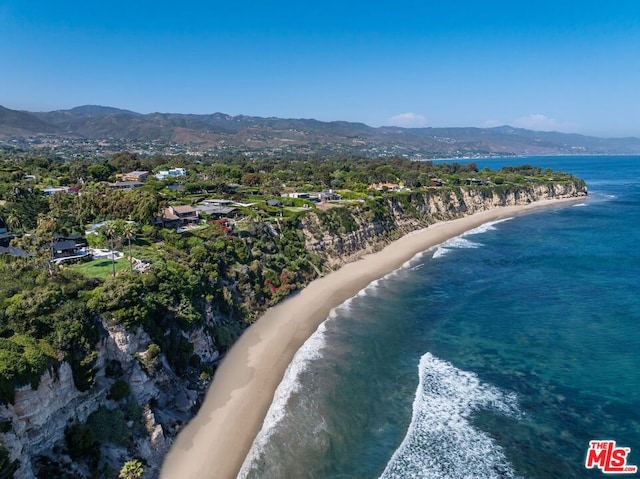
173 172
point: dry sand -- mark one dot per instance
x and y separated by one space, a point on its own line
214 444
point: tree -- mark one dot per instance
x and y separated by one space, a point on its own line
129 232
131 470
99 172
110 229
13 222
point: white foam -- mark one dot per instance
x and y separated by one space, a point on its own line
460 242
579 205
312 348
441 440
440 252
308 352
490 226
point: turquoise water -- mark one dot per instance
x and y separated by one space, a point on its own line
500 353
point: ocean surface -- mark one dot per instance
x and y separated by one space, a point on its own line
500 353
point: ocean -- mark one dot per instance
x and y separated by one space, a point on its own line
498 354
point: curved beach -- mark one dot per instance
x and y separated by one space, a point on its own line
215 443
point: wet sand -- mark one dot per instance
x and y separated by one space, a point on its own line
215 443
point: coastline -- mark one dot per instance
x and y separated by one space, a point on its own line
215 443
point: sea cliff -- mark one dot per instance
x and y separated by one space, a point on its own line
365 230
160 398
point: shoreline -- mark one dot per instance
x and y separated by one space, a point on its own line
216 441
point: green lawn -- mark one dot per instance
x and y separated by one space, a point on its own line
100 268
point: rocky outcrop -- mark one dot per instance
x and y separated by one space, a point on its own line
38 417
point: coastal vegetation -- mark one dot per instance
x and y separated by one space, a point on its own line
212 270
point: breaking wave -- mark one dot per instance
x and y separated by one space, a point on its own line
441 440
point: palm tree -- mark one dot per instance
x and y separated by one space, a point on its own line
131 470
129 232
13 221
110 229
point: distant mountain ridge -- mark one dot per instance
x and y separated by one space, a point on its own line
218 130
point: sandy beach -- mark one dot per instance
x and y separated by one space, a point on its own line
215 443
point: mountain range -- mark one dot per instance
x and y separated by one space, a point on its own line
220 131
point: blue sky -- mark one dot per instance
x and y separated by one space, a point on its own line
549 65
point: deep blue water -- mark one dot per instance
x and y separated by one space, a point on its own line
500 353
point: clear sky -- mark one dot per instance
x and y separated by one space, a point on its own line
542 64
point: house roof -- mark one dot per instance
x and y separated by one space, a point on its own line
14 251
63 245
125 184
216 210
167 214
184 209
214 201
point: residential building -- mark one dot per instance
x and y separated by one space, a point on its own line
178 216
125 185
133 176
174 172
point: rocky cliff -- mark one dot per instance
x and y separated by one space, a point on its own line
157 401
369 227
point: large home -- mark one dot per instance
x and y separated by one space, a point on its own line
133 176
66 247
216 211
125 185
304 195
172 173
52 190
474 181
178 216
329 195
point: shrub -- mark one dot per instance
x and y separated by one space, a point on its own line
120 389
79 440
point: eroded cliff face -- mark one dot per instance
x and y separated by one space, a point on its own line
38 418
418 210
